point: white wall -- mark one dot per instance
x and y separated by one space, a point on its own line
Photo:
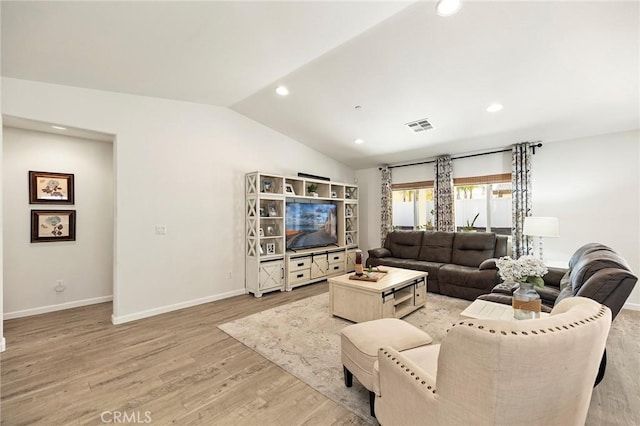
369 183
86 265
591 184
177 164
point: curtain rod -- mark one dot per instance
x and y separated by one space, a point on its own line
533 145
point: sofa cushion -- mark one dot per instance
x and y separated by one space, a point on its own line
586 249
592 262
405 244
471 248
467 276
436 247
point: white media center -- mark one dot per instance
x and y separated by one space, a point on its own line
269 266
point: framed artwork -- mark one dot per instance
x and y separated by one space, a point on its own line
273 211
271 248
271 230
50 188
288 188
349 239
53 225
263 212
334 194
261 232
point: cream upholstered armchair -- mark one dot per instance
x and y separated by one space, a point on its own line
490 372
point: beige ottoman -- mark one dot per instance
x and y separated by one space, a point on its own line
360 344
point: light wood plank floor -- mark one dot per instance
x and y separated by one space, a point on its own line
75 367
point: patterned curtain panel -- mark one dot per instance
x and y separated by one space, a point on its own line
521 198
386 224
443 195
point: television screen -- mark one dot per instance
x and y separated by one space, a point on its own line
311 225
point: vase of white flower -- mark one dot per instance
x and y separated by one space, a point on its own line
527 271
526 302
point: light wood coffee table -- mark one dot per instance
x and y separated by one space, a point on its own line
396 294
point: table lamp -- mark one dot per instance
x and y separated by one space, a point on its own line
539 227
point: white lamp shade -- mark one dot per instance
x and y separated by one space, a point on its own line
541 226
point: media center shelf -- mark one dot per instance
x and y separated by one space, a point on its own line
269 266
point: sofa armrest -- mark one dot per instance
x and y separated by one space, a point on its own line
554 276
379 252
404 384
488 264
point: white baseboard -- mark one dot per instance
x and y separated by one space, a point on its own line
53 308
3 345
632 306
169 308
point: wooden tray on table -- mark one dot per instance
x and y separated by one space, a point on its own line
373 277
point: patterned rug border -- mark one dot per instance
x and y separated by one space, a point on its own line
304 340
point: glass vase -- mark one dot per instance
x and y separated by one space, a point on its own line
526 302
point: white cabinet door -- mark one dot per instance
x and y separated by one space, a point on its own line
271 274
319 266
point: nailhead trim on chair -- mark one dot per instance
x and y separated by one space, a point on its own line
550 329
504 333
408 370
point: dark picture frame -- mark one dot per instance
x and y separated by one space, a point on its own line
51 188
53 225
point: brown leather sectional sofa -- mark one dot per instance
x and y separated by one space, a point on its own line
595 271
460 264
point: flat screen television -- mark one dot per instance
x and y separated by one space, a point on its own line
311 225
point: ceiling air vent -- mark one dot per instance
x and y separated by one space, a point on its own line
420 125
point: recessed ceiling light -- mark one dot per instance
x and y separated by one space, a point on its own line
282 91
494 108
447 7
358 141
58 127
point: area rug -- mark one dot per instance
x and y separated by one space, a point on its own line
304 339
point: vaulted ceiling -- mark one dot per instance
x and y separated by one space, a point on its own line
562 69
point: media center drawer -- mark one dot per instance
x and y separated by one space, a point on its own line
299 276
336 257
299 264
336 268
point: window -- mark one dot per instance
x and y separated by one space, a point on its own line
483 203
412 205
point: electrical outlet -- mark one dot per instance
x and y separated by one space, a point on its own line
60 286
161 229
230 275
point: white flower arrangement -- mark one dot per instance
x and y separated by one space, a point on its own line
525 269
